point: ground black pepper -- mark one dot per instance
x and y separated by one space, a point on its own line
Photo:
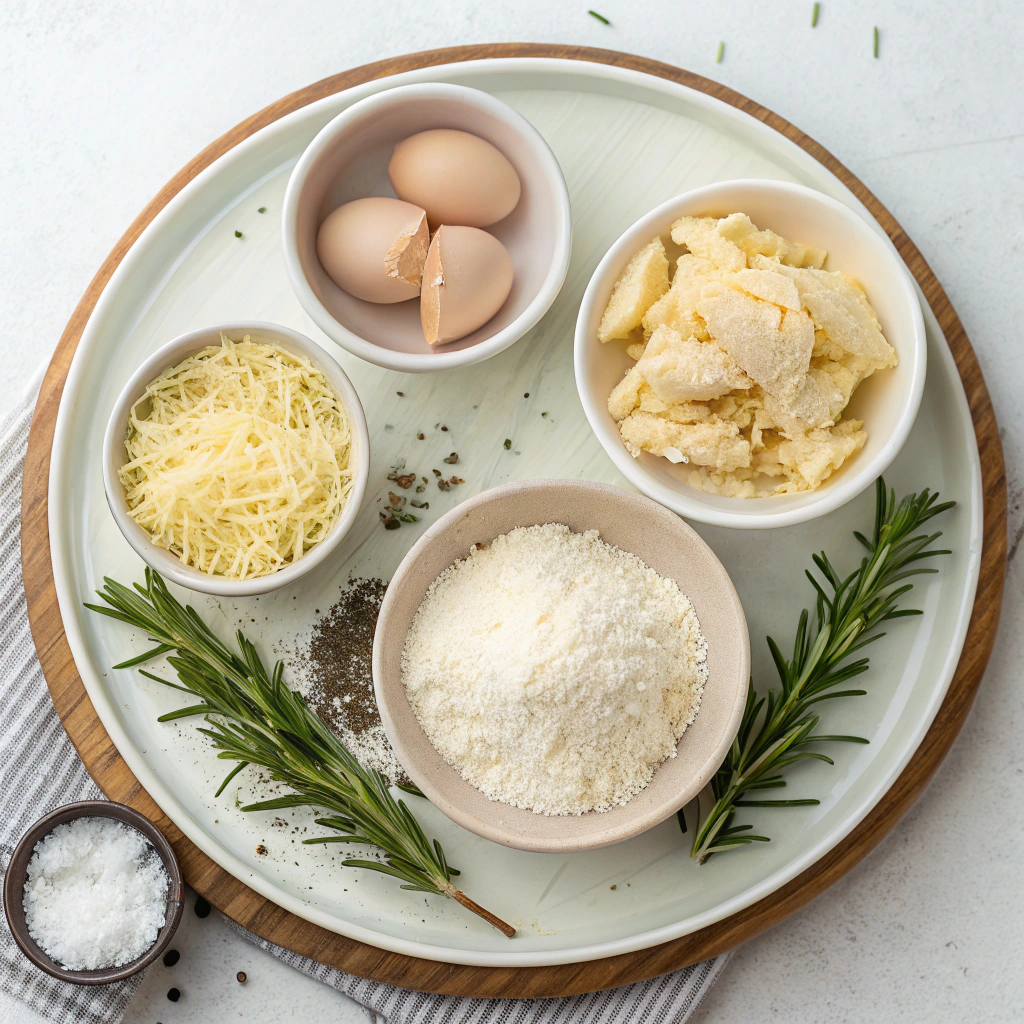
339 670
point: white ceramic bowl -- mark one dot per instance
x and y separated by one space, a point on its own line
635 524
114 456
348 160
887 401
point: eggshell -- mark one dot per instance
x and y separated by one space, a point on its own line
456 177
374 248
466 280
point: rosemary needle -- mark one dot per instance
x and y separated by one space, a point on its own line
721 52
600 17
777 727
253 718
814 15
875 47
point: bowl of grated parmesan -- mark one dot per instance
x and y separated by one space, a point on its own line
236 458
560 664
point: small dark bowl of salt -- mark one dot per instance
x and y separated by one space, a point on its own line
86 925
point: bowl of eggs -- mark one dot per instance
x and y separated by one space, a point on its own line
427 227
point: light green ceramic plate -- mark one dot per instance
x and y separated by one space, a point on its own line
188 269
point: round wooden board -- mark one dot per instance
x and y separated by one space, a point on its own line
270 921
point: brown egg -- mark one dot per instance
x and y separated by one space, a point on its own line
456 177
466 280
374 248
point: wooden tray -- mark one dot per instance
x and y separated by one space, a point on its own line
270 921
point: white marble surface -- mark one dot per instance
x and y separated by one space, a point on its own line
103 102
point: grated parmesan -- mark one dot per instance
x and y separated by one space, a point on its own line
238 459
553 671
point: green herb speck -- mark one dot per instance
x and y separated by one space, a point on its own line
600 17
262 209
875 48
508 443
814 15
238 234
721 53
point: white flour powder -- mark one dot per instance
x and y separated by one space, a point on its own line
554 672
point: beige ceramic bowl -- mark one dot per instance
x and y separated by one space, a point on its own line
633 523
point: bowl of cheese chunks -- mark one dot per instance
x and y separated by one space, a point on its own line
751 354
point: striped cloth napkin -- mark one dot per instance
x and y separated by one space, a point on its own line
39 770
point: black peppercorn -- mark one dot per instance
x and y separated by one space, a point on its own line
171 957
173 994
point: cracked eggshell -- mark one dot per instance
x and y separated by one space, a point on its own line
458 178
466 280
375 248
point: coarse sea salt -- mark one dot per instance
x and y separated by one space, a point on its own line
95 894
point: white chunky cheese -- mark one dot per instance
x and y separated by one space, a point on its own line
748 362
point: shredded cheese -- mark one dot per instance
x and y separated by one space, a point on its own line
238 459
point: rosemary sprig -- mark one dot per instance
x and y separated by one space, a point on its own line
253 718
777 729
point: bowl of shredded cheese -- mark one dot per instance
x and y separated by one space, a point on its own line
560 664
236 458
